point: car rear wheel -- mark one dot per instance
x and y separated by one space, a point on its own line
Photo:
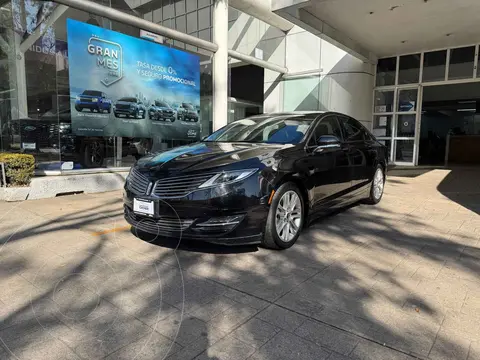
285 218
377 187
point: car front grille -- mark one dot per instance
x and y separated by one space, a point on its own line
180 186
137 182
155 226
122 107
85 99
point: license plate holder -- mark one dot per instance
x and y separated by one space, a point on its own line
143 207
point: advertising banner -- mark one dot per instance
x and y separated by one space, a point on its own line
125 86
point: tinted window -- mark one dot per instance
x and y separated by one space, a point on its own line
327 126
128 99
92 93
161 104
274 130
354 131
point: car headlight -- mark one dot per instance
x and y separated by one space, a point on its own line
128 176
77 97
132 106
94 99
228 177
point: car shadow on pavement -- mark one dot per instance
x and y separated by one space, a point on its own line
192 245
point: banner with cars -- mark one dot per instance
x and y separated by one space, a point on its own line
125 86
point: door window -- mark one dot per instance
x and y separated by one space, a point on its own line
354 131
327 126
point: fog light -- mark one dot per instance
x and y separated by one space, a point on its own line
222 224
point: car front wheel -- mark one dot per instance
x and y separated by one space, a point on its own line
377 187
285 218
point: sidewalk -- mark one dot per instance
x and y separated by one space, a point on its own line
400 280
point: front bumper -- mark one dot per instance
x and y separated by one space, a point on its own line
126 111
185 218
87 105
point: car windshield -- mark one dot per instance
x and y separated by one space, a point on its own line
286 129
128 99
161 104
92 93
188 106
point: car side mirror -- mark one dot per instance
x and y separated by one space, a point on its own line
327 142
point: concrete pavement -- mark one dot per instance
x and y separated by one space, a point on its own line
395 281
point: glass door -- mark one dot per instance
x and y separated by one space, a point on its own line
405 125
396 122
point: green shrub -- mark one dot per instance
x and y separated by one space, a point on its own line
19 168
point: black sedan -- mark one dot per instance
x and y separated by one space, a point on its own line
258 180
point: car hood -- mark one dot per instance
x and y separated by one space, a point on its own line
89 96
207 155
125 103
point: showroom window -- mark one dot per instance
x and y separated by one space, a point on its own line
409 69
104 102
461 63
434 65
386 69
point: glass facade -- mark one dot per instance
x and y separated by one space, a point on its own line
36 104
421 98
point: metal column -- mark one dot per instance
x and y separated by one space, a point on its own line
220 64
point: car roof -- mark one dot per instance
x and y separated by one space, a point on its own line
295 113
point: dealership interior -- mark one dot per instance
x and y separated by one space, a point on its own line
419 95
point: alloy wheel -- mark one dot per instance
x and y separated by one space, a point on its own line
378 183
288 216
96 157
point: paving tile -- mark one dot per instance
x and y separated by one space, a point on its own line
348 322
196 346
181 329
102 340
228 348
213 308
246 299
282 318
327 336
300 304
337 356
367 350
232 317
255 332
450 345
285 346
474 352
151 346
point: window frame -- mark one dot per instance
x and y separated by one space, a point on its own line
367 135
317 122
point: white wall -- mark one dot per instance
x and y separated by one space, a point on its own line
327 78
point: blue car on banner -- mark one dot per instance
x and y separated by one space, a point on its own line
93 100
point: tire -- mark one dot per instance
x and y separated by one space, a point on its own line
115 114
109 110
78 108
377 186
279 241
93 154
